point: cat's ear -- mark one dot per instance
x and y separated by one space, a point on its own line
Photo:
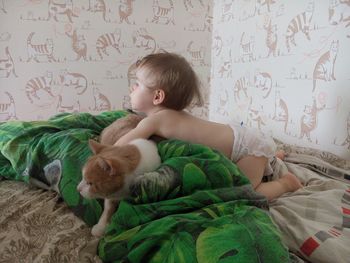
95 146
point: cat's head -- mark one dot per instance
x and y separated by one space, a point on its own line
105 173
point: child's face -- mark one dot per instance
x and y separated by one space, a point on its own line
141 96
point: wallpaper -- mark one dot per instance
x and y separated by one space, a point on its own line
279 66
78 55
283 67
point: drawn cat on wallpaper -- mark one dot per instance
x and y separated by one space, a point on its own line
260 3
197 55
227 11
217 45
324 68
108 40
102 103
255 115
308 121
339 11
271 38
78 45
189 4
66 104
125 10
263 81
300 23
37 84
7 65
75 80
241 85
8 110
163 14
281 111
142 39
61 9
247 48
39 50
98 6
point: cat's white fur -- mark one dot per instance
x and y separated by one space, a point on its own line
149 161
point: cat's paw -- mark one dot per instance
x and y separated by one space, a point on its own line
98 230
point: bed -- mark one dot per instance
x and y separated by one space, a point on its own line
197 207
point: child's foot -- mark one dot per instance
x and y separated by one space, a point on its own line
280 154
290 182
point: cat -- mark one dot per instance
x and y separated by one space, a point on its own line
108 40
281 110
102 103
308 121
37 84
98 6
271 38
78 45
7 65
61 9
75 80
110 172
166 14
197 54
301 22
37 50
324 68
125 10
263 81
8 109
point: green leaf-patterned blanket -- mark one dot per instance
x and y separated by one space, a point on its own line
196 207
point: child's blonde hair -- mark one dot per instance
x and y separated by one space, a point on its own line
173 74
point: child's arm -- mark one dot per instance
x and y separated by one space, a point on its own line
145 129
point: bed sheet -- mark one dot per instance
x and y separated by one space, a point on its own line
315 220
38 227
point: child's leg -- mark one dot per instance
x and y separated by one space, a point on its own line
253 167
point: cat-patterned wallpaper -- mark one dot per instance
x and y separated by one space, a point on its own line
78 55
283 67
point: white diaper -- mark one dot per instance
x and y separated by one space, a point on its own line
250 141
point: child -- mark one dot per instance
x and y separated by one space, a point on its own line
165 85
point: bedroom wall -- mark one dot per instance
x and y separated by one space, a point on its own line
283 67
75 55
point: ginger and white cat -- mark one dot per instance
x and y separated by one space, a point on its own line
110 172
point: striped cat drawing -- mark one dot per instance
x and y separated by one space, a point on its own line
78 45
197 55
308 121
7 109
281 111
300 23
101 101
241 86
39 84
7 65
125 10
108 40
324 68
61 9
39 50
164 15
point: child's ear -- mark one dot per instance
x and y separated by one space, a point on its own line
158 97
95 146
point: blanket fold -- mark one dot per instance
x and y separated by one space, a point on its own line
196 207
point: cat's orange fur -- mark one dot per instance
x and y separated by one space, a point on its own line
109 172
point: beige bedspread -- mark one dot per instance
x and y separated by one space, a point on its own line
315 220
35 226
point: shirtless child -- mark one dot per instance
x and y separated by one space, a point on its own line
166 84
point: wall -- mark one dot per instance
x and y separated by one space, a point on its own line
76 55
283 67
